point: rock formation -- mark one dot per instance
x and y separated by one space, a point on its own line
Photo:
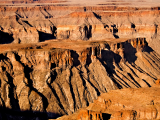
60 58
126 104
60 81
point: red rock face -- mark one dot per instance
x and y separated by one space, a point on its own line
43 76
89 115
89 24
64 58
128 107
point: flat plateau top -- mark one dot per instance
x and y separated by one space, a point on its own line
78 45
129 3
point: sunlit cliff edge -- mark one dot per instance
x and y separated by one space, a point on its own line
94 62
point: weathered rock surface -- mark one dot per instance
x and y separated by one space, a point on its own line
35 24
60 57
126 104
55 82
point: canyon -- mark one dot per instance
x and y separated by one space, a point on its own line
72 60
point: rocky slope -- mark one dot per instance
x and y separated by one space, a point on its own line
126 104
43 79
58 58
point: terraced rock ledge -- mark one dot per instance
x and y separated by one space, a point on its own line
79 61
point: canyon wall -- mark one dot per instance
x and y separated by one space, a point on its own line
126 104
37 24
55 82
57 59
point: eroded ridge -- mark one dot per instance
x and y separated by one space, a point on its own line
116 104
55 82
57 59
33 24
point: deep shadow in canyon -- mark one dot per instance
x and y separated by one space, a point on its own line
45 36
29 83
66 63
8 114
6 38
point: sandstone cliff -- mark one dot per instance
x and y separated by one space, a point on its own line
55 82
126 104
37 24
60 57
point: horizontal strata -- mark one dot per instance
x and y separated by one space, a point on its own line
40 23
57 82
56 59
29 1
82 3
116 104
67 7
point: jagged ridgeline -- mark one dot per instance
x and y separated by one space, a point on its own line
56 59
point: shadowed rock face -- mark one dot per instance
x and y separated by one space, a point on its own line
56 59
126 104
37 24
55 81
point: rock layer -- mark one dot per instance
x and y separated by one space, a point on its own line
56 81
126 104
37 24
56 59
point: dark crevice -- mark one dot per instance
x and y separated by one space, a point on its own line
147 49
10 114
45 36
54 31
134 81
142 71
106 116
133 25
116 36
132 71
88 31
18 15
3 109
124 82
156 28
75 57
18 20
27 23
13 101
110 73
88 60
97 16
27 71
6 38
71 89
146 83
96 89
53 77
85 9
43 14
129 53
50 16
53 65
115 31
48 36
106 26
3 68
